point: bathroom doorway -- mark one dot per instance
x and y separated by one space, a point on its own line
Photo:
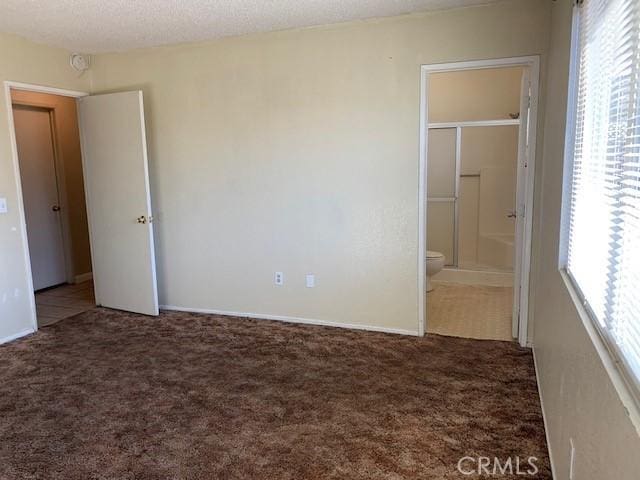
477 141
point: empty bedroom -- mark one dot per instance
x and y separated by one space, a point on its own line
319 240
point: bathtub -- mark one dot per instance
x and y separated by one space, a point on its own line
496 250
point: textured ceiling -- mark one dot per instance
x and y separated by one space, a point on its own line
92 26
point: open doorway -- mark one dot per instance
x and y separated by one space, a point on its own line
51 178
477 139
112 194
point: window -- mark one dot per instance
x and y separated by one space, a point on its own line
601 238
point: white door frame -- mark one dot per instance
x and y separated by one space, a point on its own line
533 63
8 86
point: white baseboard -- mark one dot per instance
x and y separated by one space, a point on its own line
283 318
475 277
84 277
15 336
544 415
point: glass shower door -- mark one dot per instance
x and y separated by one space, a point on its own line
442 192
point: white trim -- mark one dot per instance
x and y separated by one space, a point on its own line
45 89
288 319
422 203
476 123
520 200
8 85
544 415
21 214
532 62
534 78
83 277
456 194
482 64
16 336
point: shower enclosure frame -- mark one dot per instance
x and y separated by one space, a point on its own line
455 199
525 182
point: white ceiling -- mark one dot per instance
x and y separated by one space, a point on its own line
92 26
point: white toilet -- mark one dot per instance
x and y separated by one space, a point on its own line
435 263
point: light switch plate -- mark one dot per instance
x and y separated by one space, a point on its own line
3 205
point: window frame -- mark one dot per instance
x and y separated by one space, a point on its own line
626 382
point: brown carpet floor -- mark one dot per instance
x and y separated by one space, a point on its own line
109 395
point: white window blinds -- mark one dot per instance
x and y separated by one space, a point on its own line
603 237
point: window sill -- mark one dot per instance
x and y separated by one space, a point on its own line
611 365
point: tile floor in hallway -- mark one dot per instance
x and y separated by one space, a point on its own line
470 311
57 303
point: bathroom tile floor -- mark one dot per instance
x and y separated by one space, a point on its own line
470 311
58 303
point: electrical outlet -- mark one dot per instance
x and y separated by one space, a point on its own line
279 278
311 281
572 458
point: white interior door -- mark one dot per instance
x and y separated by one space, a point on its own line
521 195
36 156
116 176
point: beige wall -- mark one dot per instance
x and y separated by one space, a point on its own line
22 61
297 151
579 398
486 94
68 145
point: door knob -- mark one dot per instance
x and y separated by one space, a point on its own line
512 214
55 208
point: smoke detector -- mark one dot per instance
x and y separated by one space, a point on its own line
80 62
